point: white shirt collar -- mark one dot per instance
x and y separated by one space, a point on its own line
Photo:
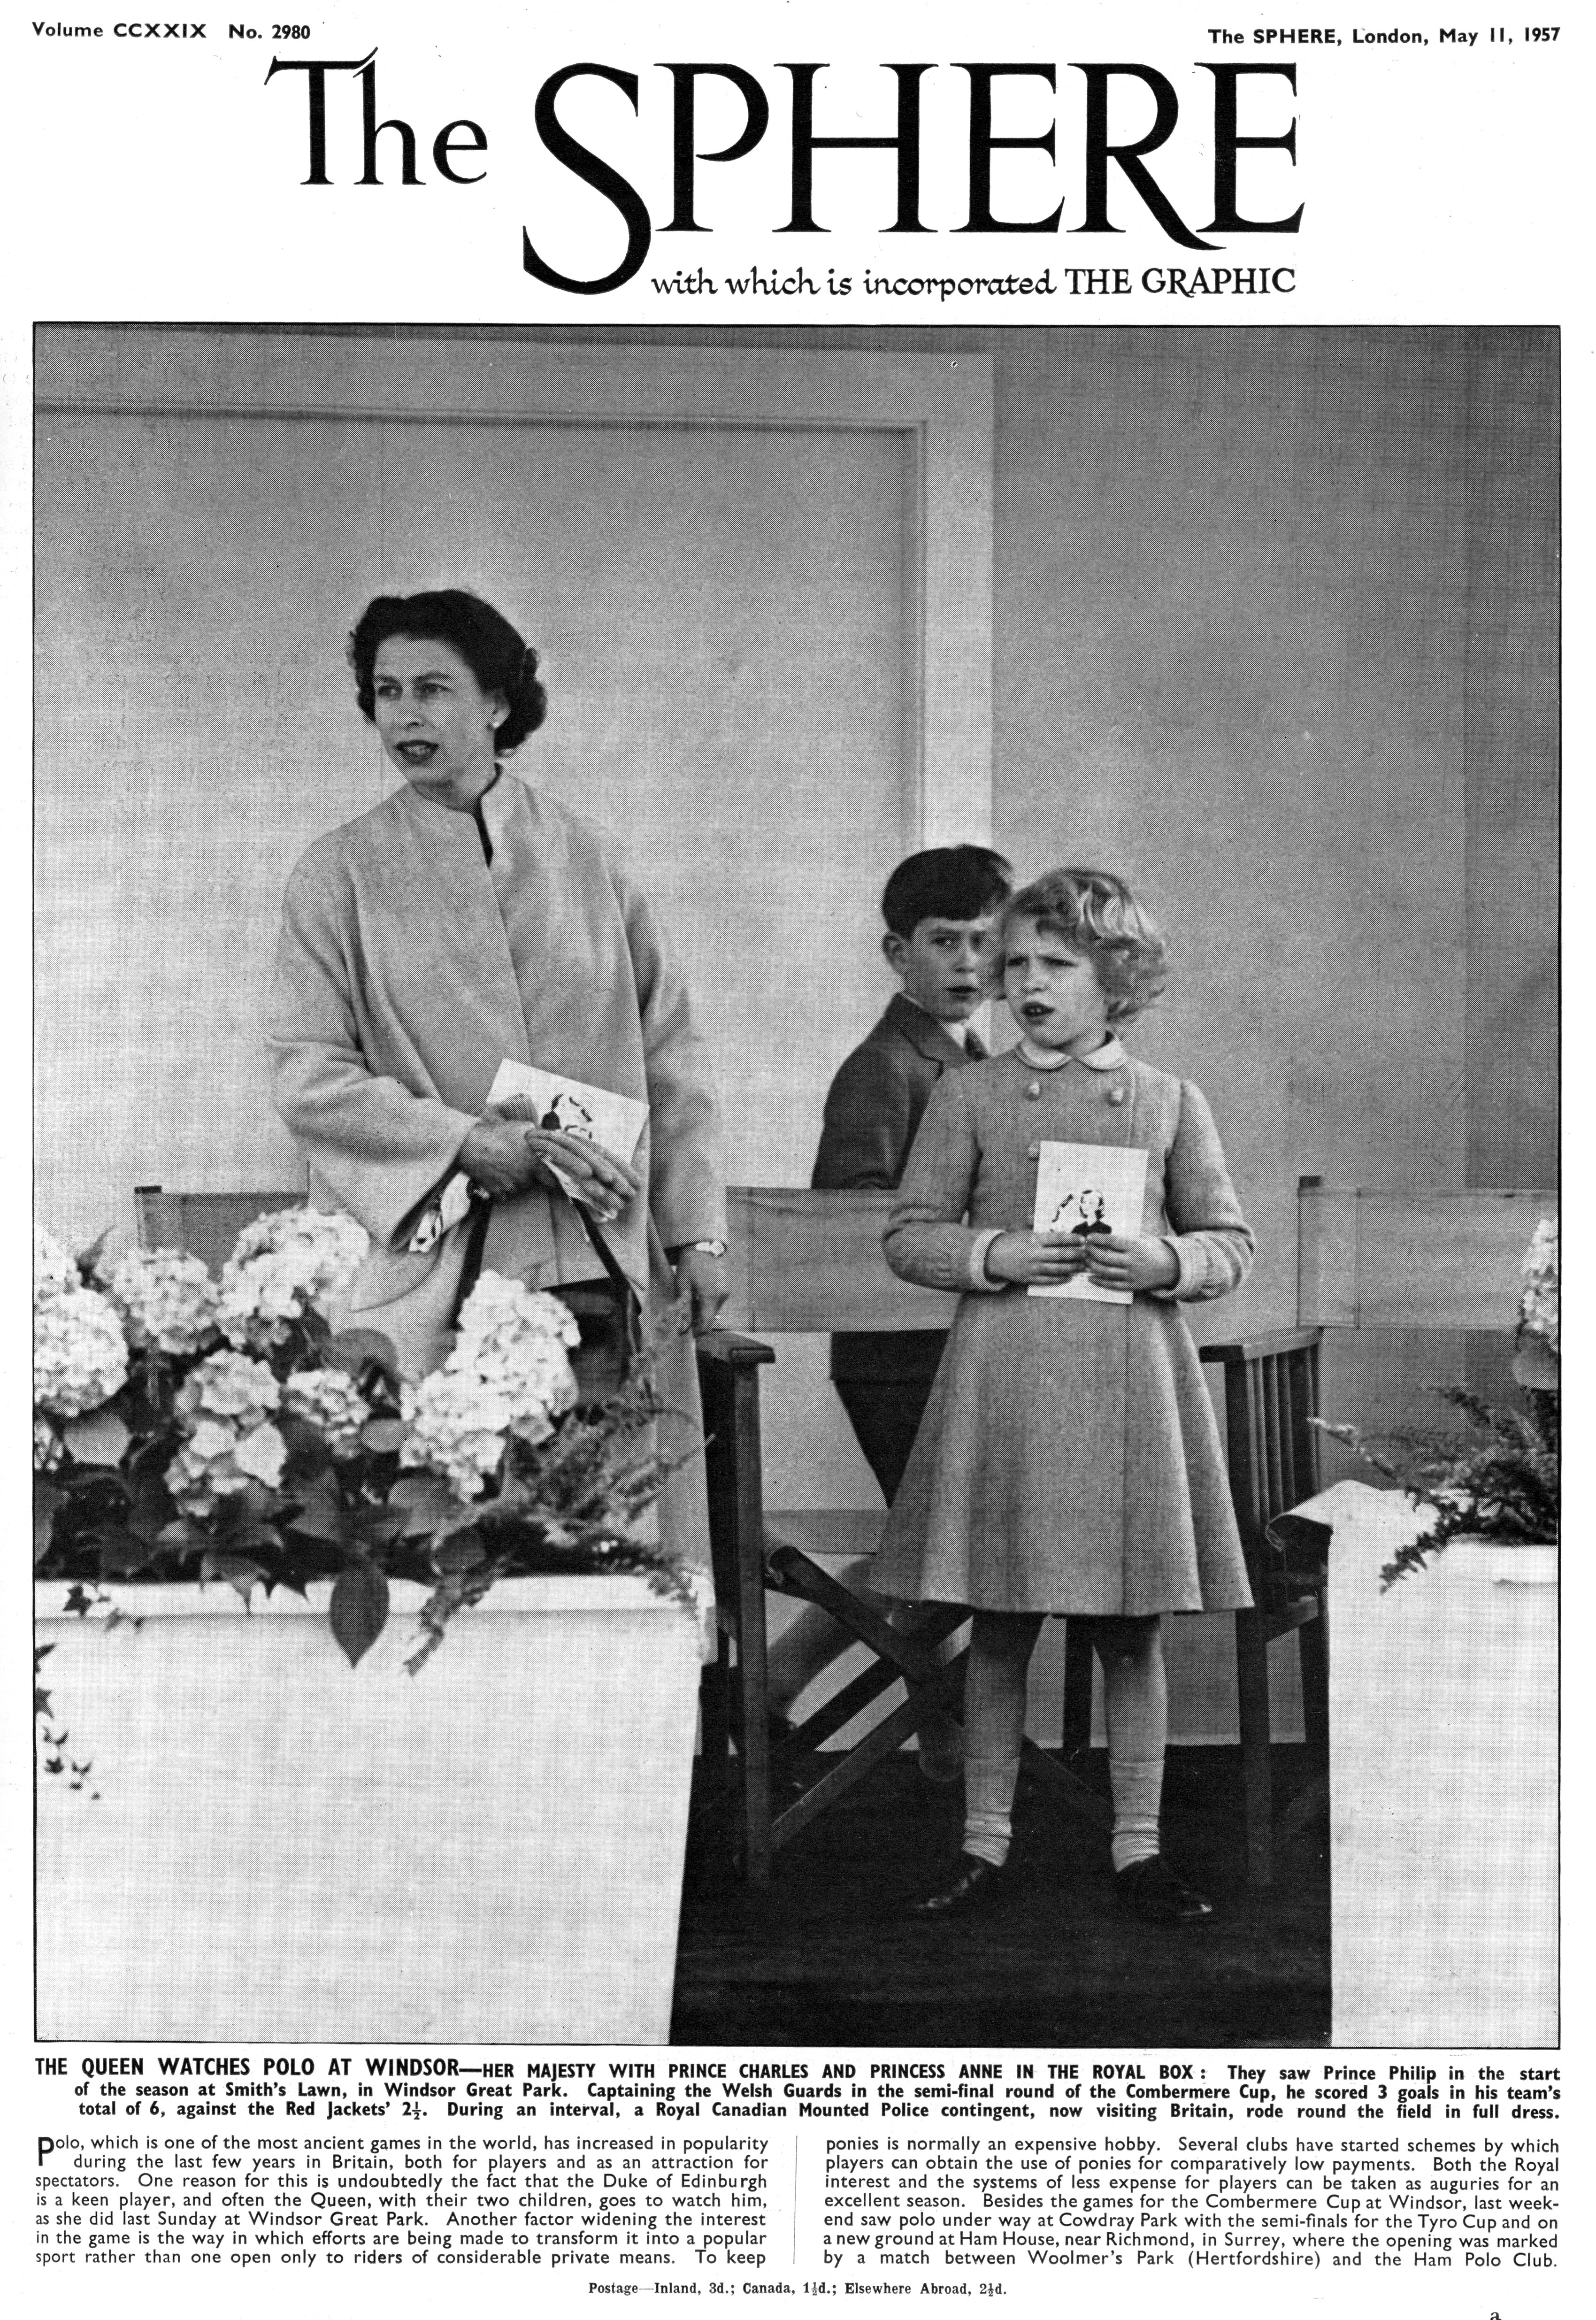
1106 1058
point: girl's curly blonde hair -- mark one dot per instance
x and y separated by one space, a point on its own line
1096 912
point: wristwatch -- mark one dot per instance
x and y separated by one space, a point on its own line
709 1247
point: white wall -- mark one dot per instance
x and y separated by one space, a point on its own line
720 620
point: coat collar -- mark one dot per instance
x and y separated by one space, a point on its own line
924 1034
1106 1058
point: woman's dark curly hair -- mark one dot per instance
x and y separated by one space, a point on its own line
498 656
1096 912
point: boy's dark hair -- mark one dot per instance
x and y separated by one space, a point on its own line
946 881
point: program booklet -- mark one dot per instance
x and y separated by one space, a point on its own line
1089 1190
554 1100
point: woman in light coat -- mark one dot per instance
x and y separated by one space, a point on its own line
465 921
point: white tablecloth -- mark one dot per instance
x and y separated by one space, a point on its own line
1443 1786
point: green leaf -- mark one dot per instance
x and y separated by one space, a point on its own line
86 1259
151 1391
309 1456
97 1440
358 1610
245 1536
427 1503
384 1434
149 1508
47 1501
239 1573
245 1518
184 1532
458 1517
150 1461
322 1516
351 1349
464 1551
121 1553
378 1526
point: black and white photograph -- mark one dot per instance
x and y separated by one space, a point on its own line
792 930
443 700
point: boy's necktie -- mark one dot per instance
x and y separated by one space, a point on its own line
974 1048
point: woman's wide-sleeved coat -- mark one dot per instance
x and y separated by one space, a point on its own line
1068 1460
408 969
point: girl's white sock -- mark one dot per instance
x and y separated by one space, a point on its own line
989 1798
1138 1789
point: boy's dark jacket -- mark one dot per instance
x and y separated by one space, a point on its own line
873 1109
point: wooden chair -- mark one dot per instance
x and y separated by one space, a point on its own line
1272 1449
811 1261
205 1224
1374 1260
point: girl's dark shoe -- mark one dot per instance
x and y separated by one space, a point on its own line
1151 1890
974 1885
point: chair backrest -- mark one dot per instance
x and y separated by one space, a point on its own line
1412 1260
205 1224
802 1261
1271 1445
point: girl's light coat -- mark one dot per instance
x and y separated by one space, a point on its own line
1068 1461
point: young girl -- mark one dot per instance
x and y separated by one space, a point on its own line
1068 1461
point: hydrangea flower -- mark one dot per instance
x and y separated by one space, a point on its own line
1540 1299
458 1427
513 1339
282 1265
332 1403
166 1299
509 1372
502 1311
224 1407
53 1269
216 1461
79 1353
229 1386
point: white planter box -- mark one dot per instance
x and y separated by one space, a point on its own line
1443 1787
287 1848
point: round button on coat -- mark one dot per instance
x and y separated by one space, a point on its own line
1116 1095
1034 1087
1033 1151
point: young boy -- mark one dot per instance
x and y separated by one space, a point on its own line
939 908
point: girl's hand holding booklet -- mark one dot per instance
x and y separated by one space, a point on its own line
1087 1191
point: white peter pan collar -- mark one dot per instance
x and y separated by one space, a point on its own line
1106 1058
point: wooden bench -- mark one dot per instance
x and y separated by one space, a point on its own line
804 1262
